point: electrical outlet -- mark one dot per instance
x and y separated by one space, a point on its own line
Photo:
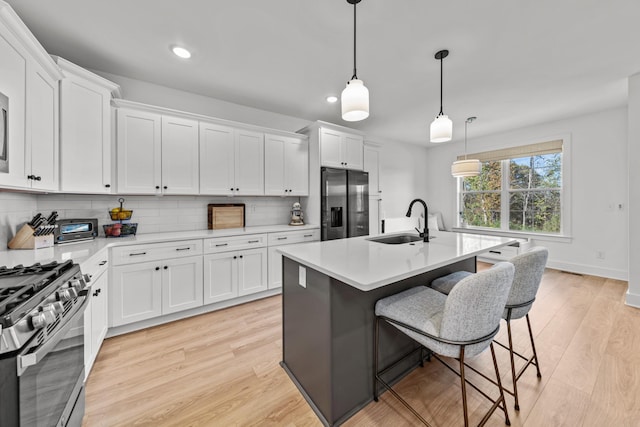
600 254
253 208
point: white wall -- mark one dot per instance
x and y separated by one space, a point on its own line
15 209
633 145
598 184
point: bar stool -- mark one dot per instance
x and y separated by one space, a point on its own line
529 268
459 325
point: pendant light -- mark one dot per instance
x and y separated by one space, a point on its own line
466 167
355 97
441 127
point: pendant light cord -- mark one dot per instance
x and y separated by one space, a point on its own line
355 74
441 112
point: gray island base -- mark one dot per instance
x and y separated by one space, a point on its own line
328 332
329 293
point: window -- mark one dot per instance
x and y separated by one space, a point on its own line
520 189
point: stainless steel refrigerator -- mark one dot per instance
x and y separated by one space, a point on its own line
345 203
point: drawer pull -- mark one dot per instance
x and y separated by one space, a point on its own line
308 235
221 244
139 253
183 249
282 238
103 263
253 241
495 252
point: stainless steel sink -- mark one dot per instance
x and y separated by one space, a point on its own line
397 239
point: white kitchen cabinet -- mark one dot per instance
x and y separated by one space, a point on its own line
275 258
372 165
340 149
96 314
231 274
29 105
155 279
42 129
231 161
139 152
286 162
136 293
156 154
182 284
180 164
252 271
85 130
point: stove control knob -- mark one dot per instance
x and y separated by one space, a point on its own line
67 294
42 319
56 307
76 283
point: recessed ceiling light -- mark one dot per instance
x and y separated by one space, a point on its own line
331 99
181 52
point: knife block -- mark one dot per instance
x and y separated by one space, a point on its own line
24 239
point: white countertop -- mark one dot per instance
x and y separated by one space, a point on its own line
368 265
81 252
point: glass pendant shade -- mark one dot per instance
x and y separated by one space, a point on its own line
441 129
355 101
464 168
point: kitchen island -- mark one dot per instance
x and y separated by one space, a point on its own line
329 292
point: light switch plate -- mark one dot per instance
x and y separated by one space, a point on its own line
302 276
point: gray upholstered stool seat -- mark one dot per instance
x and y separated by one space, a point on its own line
458 325
444 284
529 268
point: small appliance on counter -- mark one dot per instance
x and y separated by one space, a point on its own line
296 215
120 229
36 234
76 230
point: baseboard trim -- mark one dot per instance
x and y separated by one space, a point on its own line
609 273
632 300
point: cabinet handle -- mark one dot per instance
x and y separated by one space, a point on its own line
240 256
139 253
495 252
237 189
157 187
234 257
95 294
165 267
308 235
38 178
253 241
183 249
31 176
282 238
231 189
157 268
107 185
165 187
222 244
103 262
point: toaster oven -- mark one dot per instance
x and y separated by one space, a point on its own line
75 230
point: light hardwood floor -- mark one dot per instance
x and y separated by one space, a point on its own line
221 369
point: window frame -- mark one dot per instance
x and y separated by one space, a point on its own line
565 198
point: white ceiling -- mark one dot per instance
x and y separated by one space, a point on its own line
512 63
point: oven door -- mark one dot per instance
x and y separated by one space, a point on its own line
51 377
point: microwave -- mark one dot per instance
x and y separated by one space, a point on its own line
75 230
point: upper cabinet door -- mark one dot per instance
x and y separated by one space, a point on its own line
179 156
353 146
42 129
274 166
296 167
331 148
85 137
217 159
249 163
12 111
139 152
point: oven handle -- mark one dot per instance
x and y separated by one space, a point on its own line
30 359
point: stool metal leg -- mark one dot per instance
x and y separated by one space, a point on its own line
504 402
464 388
533 346
513 363
375 359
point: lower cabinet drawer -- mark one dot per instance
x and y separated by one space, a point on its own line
290 237
504 253
233 243
156 251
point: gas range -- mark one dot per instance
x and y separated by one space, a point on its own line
35 299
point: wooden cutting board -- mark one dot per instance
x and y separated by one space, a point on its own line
225 216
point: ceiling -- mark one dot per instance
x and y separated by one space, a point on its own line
511 63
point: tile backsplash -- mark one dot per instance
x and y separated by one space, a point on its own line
165 213
15 209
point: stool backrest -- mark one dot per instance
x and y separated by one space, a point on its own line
474 306
529 268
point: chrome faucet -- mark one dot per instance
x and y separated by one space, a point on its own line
425 233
